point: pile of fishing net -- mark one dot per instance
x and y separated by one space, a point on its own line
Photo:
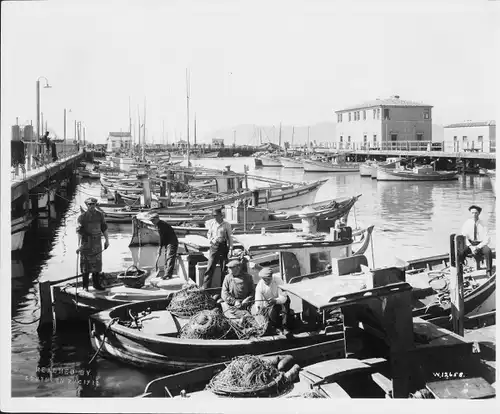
207 324
249 326
308 394
189 301
250 376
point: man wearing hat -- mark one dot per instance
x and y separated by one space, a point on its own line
169 241
237 290
91 225
221 246
273 301
477 238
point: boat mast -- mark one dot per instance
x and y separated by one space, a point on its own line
187 103
139 126
279 137
308 139
195 129
144 135
129 128
293 133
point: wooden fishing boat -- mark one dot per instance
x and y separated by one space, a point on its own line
156 345
251 220
337 164
72 303
288 162
268 161
420 173
365 169
388 163
366 373
19 227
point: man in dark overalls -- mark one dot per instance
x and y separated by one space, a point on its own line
220 236
169 241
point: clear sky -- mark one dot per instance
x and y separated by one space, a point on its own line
251 62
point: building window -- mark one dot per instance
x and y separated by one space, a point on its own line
420 137
374 113
480 138
426 114
455 138
349 138
375 140
349 117
464 138
340 117
386 114
378 113
364 115
341 138
394 137
365 140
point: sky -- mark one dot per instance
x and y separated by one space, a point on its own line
250 62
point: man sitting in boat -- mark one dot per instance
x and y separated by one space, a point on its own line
272 301
169 242
221 246
477 238
91 224
237 292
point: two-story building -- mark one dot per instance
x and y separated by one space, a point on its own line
470 136
117 141
371 124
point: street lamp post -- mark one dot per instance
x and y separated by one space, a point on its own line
38 106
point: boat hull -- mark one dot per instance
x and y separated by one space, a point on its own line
384 174
365 170
317 166
270 162
291 163
19 227
173 354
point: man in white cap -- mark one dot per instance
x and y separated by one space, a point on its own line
269 298
477 238
91 225
220 236
169 242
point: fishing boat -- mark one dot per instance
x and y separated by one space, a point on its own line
388 163
268 161
19 227
365 169
155 343
316 371
213 154
245 220
337 164
492 176
417 173
288 162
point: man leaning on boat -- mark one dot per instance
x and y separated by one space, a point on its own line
220 236
477 238
169 242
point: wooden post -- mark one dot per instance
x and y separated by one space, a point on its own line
46 316
170 177
457 247
146 189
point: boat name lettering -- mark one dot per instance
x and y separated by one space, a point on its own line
63 371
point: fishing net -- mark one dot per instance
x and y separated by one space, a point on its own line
207 324
249 326
189 301
308 394
249 376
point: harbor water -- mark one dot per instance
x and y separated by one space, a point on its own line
411 220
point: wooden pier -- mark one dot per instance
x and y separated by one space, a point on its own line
22 184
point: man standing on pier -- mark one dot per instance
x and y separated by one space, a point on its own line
169 241
220 236
477 238
91 224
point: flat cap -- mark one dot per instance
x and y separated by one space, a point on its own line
266 272
216 212
233 263
479 209
91 200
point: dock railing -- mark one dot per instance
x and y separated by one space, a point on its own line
30 155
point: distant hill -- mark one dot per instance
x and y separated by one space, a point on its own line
318 133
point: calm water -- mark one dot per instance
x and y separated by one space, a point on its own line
411 220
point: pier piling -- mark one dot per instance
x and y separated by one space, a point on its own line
457 247
46 315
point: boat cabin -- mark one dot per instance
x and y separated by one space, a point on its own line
228 182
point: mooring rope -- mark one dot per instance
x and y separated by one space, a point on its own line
111 322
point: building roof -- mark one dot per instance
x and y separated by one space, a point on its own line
469 124
392 101
120 134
